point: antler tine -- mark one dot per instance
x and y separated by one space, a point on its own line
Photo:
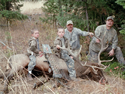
94 67
107 60
67 49
97 38
102 49
79 51
75 57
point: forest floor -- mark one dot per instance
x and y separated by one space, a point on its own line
16 37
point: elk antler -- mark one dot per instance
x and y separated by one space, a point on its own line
77 60
102 49
102 67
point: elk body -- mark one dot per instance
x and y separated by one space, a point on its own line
20 61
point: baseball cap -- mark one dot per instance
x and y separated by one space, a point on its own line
69 22
110 18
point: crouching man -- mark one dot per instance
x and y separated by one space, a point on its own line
110 38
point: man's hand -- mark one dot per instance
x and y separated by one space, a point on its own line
57 46
97 41
111 53
40 52
91 34
71 57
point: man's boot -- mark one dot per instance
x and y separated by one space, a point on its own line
29 76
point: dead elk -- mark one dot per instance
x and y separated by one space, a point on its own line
20 61
93 70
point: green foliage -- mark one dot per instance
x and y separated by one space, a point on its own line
121 2
51 11
10 5
10 9
115 68
13 15
86 14
122 31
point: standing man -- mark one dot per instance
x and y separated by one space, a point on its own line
110 38
72 34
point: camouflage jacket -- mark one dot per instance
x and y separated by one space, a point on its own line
59 42
33 47
74 37
110 38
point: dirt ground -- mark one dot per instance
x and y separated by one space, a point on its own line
16 37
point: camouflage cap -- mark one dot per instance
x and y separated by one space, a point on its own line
69 22
110 18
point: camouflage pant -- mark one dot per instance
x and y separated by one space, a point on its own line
93 56
70 64
32 62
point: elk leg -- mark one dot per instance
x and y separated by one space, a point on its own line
87 71
41 83
103 80
44 73
9 77
57 83
7 80
65 74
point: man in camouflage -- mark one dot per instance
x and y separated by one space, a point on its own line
72 34
110 38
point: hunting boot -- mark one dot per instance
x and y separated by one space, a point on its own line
29 76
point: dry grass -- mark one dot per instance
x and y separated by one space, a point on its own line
16 37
